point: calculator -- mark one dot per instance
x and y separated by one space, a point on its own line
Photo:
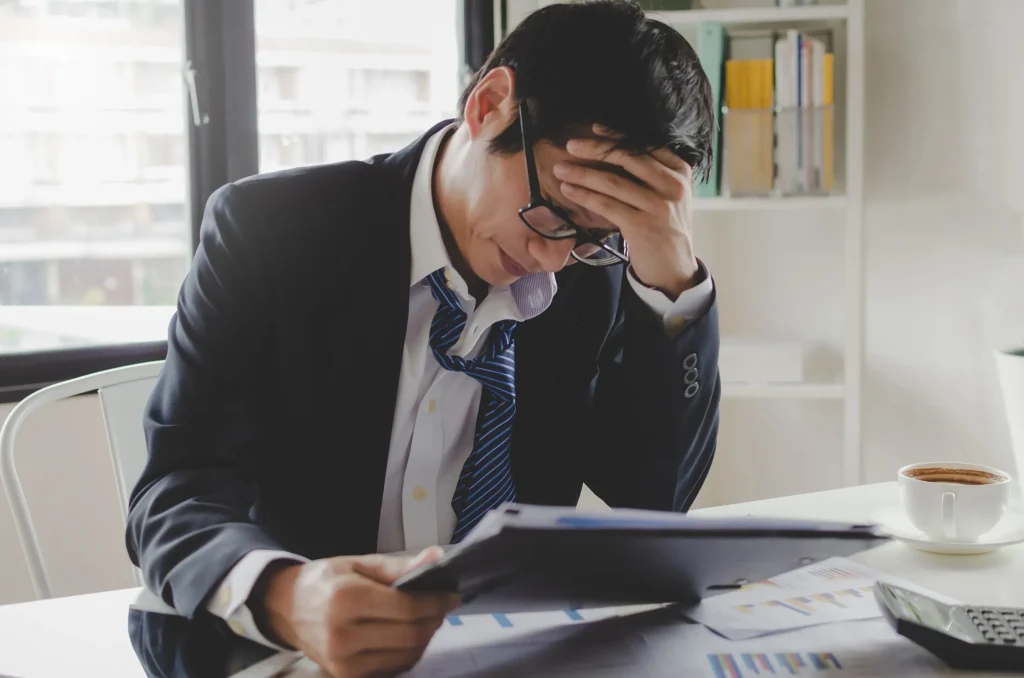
963 636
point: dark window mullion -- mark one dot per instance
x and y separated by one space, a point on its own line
220 48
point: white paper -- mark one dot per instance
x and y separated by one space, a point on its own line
832 590
660 642
861 648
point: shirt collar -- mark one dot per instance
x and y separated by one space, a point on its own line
531 294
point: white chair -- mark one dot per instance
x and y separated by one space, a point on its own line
123 393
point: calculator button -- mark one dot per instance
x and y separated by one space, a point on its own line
1009 640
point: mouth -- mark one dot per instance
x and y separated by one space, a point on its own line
511 266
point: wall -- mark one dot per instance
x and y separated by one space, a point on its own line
63 463
943 206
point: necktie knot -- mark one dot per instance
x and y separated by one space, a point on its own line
494 368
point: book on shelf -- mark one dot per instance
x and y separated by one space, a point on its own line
711 52
775 134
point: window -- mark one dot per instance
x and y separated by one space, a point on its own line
347 79
107 160
93 236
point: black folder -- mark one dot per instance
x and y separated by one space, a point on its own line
526 558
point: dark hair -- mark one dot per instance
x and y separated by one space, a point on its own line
604 62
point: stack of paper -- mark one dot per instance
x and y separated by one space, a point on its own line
833 590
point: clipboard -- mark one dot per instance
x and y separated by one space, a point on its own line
523 558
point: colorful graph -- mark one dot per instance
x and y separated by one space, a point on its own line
743 665
830 598
506 622
745 609
834 574
799 605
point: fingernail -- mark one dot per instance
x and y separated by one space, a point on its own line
574 145
561 169
567 187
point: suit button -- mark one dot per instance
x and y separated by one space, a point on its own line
690 361
690 377
691 390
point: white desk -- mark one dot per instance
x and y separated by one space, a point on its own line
87 635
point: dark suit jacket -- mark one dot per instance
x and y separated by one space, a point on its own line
271 421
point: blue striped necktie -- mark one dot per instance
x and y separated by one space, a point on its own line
486 480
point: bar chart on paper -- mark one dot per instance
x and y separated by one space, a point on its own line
745 664
814 605
830 591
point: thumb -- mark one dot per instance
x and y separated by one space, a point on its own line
387 569
427 556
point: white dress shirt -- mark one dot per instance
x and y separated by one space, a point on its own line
436 410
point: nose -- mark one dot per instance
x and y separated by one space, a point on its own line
552 255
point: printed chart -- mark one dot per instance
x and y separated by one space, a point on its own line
832 590
814 604
506 622
743 665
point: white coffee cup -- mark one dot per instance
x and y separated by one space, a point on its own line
952 501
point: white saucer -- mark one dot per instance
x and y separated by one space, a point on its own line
893 521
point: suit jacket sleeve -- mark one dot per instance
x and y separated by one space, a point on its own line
653 418
189 515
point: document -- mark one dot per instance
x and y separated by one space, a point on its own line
657 642
832 590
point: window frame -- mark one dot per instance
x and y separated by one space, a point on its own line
220 56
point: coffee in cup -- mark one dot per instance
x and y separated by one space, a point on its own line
952 501
957 476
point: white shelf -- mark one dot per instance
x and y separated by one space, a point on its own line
754 15
810 391
826 202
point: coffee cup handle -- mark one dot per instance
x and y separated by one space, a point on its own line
948 523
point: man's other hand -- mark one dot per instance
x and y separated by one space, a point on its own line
344 615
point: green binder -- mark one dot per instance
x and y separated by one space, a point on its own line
711 51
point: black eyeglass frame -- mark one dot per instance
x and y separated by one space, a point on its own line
537 200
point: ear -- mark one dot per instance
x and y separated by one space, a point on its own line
491 106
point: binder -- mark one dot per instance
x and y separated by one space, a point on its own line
525 558
711 52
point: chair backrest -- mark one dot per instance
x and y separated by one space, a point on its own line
123 407
123 393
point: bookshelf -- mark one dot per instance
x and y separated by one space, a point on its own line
743 16
843 208
797 204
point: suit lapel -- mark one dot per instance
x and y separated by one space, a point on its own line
370 335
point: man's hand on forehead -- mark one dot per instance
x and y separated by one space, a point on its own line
647 196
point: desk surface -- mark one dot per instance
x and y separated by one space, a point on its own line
87 635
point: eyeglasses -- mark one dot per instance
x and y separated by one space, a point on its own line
551 222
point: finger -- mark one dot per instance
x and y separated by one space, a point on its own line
387 569
427 556
364 600
612 209
666 181
610 184
673 161
608 132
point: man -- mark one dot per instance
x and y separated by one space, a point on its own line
368 356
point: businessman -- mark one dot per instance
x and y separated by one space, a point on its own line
368 356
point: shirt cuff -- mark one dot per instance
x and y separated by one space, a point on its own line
691 304
228 602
